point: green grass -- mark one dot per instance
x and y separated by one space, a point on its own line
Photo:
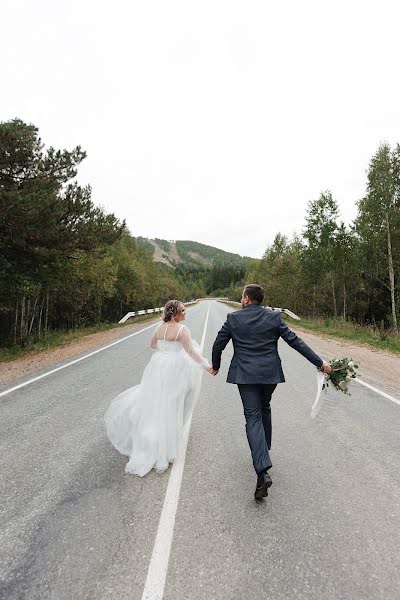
60 338
346 330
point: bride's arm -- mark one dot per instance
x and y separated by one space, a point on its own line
153 343
186 341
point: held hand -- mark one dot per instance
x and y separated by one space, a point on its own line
326 368
212 371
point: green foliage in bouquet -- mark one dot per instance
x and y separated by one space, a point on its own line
343 371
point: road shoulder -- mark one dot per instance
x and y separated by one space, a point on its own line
21 367
376 367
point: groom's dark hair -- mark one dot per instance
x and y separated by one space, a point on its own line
254 292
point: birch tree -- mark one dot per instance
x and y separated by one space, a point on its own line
378 222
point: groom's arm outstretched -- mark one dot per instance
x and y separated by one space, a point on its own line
297 343
223 337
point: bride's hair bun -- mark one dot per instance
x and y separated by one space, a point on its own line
171 309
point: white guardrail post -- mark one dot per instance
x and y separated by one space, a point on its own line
148 311
284 310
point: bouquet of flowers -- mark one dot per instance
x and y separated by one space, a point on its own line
343 371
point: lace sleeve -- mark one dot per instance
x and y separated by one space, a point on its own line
153 343
186 341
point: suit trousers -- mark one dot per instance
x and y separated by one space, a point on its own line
256 400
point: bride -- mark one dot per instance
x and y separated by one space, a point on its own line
145 422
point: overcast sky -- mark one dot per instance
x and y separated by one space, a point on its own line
214 121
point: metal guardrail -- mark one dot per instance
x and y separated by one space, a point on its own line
148 311
284 310
229 302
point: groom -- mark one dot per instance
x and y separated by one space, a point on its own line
256 369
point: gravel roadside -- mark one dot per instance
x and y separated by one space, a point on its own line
376 366
20 367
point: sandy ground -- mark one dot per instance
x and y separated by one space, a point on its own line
379 368
376 367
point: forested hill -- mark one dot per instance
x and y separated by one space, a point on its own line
199 269
184 252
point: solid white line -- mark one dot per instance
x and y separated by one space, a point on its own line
204 331
73 362
372 388
157 573
376 390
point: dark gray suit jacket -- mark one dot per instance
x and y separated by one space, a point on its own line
255 332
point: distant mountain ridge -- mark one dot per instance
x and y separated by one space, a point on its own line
184 252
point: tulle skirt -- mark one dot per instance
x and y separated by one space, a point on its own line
145 422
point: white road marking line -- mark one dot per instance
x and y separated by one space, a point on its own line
73 362
157 573
21 385
374 389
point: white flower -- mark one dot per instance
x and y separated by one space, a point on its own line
350 363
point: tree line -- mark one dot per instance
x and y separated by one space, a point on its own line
66 263
334 269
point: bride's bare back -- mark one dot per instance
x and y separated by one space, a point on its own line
169 331
176 332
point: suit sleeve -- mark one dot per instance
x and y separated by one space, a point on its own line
223 337
297 343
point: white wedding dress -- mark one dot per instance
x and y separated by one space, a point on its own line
145 422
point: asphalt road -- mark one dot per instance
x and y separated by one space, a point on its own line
74 526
